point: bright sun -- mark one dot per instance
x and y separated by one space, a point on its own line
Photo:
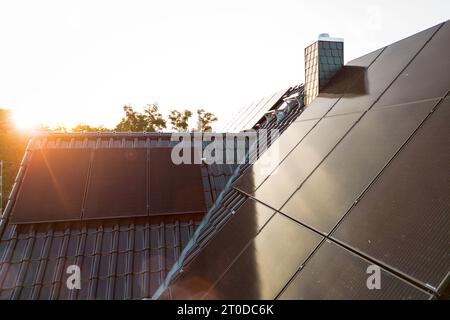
28 121
25 121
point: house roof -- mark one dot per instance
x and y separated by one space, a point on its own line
361 184
111 203
361 181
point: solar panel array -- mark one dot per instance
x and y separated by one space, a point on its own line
362 181
65 184
249 116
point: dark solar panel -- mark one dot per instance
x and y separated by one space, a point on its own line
118 184
174 188
244 119
366 60
259 112
427 77
335 273
319 107
255 175
250 115
221 250
343 176
383 71
237 119
53 186
403 218
277 189
267 264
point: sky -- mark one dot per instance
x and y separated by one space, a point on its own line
68 62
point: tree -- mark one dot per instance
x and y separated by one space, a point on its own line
59 129
87 128
155 120
43 128
6 123
180 120
150 120
12 147
133 121
204 120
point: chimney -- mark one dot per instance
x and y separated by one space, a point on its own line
322 60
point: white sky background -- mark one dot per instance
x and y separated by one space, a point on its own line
68 62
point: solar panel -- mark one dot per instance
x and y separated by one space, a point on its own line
335 273
256 174
403 218
277 189
258 113
268 263
383 71
53 186
367 59
427 77
343 176
174 188
221 250
238 117
244 117
118 184
248 117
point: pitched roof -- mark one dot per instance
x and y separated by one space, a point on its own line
362 181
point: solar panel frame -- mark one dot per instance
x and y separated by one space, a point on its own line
386 68
117 184
428 75
53 186
174 189
333 272
396 203
351 167
268 262
254 176
302 161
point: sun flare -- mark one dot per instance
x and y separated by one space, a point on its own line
25 122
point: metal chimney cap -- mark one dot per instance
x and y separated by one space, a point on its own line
326 37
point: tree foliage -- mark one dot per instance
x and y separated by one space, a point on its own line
87 128
59 129
151 120
5 120
204 120
12 148
155 119
180 120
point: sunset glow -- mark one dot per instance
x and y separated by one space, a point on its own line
61 64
